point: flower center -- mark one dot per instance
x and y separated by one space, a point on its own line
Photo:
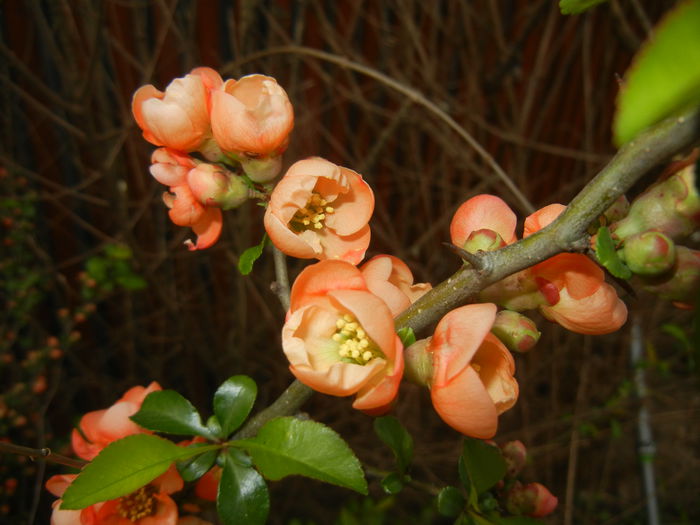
138 504
353 344
311 216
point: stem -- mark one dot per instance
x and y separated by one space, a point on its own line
42 453
281 284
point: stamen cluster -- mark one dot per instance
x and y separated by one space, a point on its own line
354 345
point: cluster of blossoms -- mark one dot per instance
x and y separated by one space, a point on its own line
149 505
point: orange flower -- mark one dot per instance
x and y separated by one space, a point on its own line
339 337
577 296
252 116
99 428
178 118
149 505
472 371
483 212
389 278
320 210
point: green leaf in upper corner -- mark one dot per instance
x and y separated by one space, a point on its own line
169 412
193 468
664 76
407 336
397 438
124 466
450 502
288 446
482 463
574 7
243 496
608 256
250 255
233 402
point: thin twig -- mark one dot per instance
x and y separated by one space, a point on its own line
42 453
281 284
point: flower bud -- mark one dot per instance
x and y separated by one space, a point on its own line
517 332
217 187
684 282
532 500
485 240
649 253
671 206
418 363
262 169
618 210
515 454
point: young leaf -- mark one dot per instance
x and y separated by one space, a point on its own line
250 255
124 466
392 483
483 463
395 436
243 495
287 446
450 502
191 469
664 76
233 401
169 412
574 7
407 336
608 257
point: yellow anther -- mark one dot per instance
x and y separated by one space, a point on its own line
366 356
354 353
351 326
343 352
329 209
364 343
340 323
337 337
348 318
476 367
360 333
318 225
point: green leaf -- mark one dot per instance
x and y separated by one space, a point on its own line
233 402
574 7
118 251
288 446
250 255
450 502
407 336
395 436
243 496
191 469
392 483
169 412
124 466
608 257
483 463
664 76
132 282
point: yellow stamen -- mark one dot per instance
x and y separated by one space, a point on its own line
354 344
139 504
312 215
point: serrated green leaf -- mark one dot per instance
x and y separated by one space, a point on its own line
191 469
124 466
607 255
233 402
243 496
250 255
574 7
664 76
450 502
288 446
169 412
395 436
483 463
407 336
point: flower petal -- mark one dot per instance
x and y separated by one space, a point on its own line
496 368
483 212
600 313
376 396
317 280
541 218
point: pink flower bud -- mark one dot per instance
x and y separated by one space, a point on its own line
532 499
418 363
517 332
263 169
649 253
515 454
218 187
483 240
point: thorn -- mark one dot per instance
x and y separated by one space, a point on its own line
473 260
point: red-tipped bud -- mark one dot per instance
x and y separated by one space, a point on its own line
215 186
483 240
515 454
618 210
684 282
418 363
649 253
517 332
262 169
532 499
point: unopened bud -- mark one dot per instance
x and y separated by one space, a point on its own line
515 454
262 169
618 210
215 186
518 332
532 500
483 240
649 253
683 284
418 363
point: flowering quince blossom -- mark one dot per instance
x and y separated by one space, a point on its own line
388 277
178 118
578 298
149 505
173 169
339 337
252 116
100 427
483 212
320 211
